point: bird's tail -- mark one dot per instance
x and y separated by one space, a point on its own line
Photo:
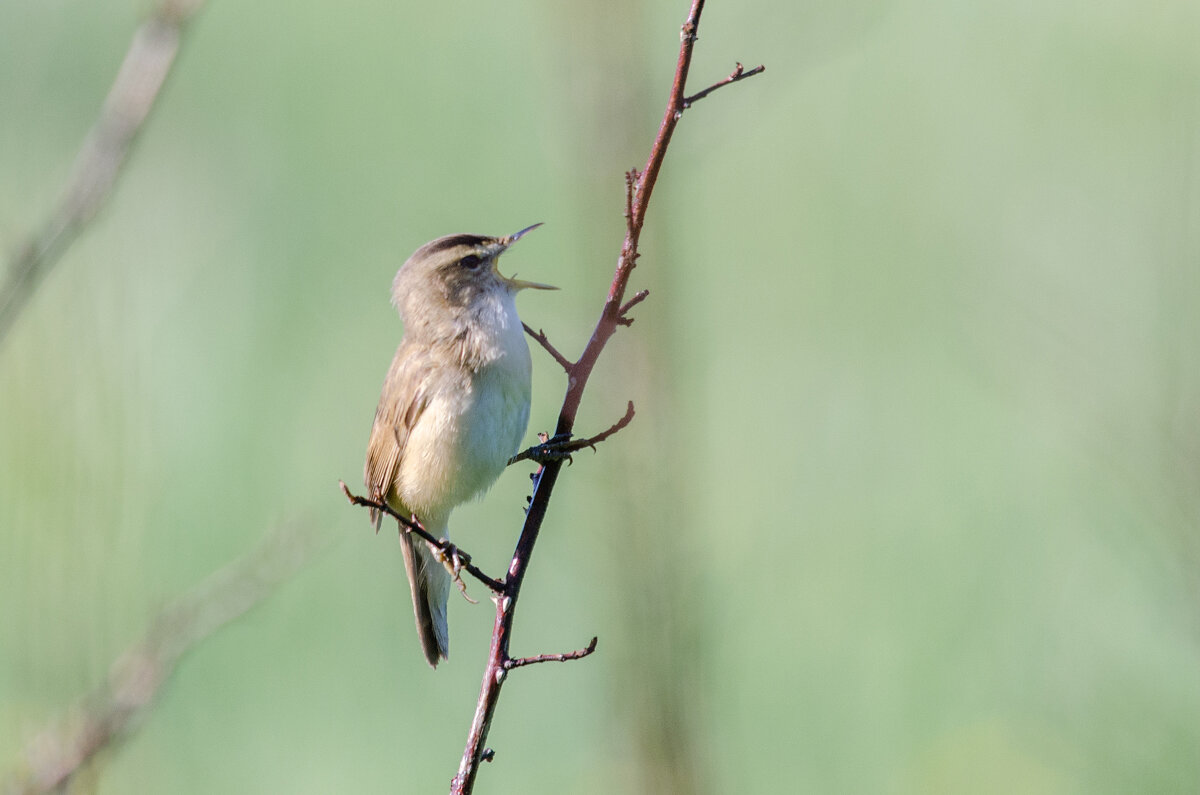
430 584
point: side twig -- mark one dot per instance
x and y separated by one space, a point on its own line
128 104
409 525
738 74
541 658
542 340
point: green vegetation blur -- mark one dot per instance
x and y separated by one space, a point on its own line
912 499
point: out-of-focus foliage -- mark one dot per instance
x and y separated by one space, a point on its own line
912 499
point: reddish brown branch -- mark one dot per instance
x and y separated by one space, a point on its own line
639 187
407 524
541 658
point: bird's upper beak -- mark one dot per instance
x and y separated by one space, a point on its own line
514 282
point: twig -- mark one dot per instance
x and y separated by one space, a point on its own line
737 74
639 187
442 544
544 341
638 297
624 319
135 679
129 102
541 658
592 441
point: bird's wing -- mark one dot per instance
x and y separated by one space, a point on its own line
405 396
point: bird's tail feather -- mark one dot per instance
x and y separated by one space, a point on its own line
430 584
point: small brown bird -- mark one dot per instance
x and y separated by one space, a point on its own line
455 404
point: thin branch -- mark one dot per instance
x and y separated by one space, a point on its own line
639 187
603 435
541 658
737 74
452 551
98 165
544 341
108 714
631 181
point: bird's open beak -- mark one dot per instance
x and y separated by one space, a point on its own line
514 282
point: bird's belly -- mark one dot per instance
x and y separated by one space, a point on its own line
463 441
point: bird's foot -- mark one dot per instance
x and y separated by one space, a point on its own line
551 449
454 559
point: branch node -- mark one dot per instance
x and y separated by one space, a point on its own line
548 450
631 182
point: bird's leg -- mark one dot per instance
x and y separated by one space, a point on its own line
453 559
556 448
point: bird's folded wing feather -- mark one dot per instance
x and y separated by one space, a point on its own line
405 396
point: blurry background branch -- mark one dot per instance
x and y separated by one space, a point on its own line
106 715
133 94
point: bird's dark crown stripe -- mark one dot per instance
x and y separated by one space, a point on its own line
454 241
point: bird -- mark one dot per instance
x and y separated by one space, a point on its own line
454 406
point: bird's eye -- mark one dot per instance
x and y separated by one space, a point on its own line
470 262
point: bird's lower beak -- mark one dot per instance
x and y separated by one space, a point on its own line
519 284
514 282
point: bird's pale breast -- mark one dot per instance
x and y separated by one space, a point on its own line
474 422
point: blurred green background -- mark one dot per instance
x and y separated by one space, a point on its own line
911 501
